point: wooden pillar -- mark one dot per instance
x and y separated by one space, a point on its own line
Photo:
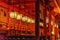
50 29
37 20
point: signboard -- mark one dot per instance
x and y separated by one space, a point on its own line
3 14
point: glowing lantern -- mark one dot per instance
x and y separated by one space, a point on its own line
32 21
19 17
13 14
24 18
41 24
53 32
28 20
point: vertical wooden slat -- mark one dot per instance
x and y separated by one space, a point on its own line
37 20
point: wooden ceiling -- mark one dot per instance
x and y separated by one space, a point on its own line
22 4
28 6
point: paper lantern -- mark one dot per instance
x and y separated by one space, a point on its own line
53 32
32 21
41 23
28 20
24 18
19 17
13 14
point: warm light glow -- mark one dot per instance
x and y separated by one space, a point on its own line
58 35
19 17
32 21
4 27
53 32
8 28
47 20
28 20
51 22
55 25
41 24
13 14
24 18
57 5
46 25
56 10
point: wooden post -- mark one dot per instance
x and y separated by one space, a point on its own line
37 20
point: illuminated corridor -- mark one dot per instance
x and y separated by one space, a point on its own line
29 19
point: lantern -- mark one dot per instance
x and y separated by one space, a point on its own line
32 21
53 32
28 20
13 14
41 24
24 18
19 16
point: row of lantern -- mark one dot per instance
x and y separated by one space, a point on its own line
21 17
